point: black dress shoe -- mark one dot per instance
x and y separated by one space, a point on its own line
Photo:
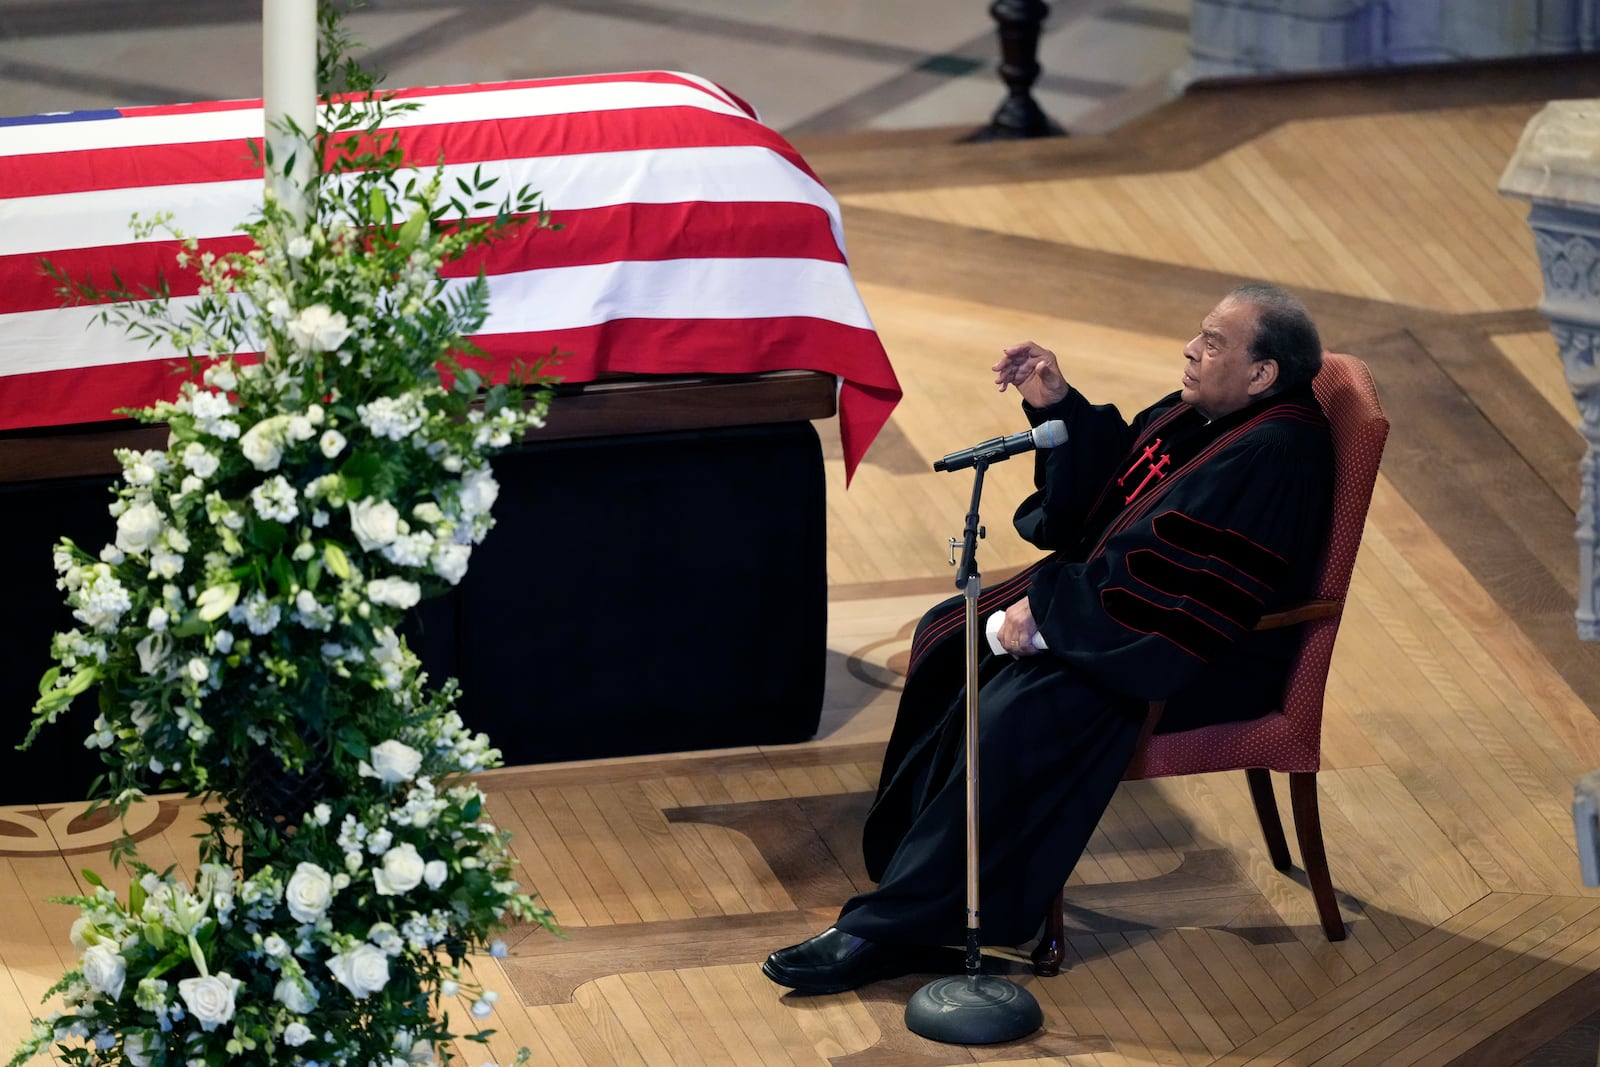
833 962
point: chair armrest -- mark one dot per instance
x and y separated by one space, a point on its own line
1151 719
1304 612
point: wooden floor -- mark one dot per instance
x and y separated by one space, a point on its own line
1460 709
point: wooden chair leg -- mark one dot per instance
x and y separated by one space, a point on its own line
1260 780
1052 946
1308 828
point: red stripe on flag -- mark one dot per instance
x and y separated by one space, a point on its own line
30 288
623 346
723 346
637 232
581 133
654 232
87 394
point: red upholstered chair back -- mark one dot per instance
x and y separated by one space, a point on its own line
1290 739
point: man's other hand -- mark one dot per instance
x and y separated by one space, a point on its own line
1016 632
1034 372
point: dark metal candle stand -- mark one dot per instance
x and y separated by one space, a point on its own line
1019 116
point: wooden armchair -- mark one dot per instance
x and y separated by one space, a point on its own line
1290 738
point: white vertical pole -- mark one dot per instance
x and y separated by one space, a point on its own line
289 91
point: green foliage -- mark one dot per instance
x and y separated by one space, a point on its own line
243 629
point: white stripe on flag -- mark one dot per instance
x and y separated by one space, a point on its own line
38 225
526 301
569 297
444 109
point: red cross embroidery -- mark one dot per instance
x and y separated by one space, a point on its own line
1156 469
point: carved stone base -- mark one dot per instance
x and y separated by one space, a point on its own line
1557 167
1568 243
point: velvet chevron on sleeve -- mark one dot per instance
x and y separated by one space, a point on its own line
1208 529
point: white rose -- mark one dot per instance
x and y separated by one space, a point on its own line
262 444
298 997
209 999
332 443
374 522
434 873
319 328
139 526
479 491
363 970
401 871
299 247
105 969
450 560
309 892
392 761
296 1034
395 592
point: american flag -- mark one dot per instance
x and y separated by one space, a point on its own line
695 239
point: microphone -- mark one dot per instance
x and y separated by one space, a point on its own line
1048 435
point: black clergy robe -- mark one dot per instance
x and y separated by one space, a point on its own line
1169 538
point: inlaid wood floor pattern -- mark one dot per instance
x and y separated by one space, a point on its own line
1460 707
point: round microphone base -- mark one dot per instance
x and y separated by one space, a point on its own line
972 1009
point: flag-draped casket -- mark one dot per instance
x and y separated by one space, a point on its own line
694 239
694 243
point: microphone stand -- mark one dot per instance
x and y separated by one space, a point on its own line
975 1008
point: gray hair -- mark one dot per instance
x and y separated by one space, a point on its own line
1284 333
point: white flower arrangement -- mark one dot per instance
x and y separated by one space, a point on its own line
245 624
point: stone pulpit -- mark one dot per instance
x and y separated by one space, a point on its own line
1557 168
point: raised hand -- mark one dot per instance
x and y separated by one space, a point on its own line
1034 371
